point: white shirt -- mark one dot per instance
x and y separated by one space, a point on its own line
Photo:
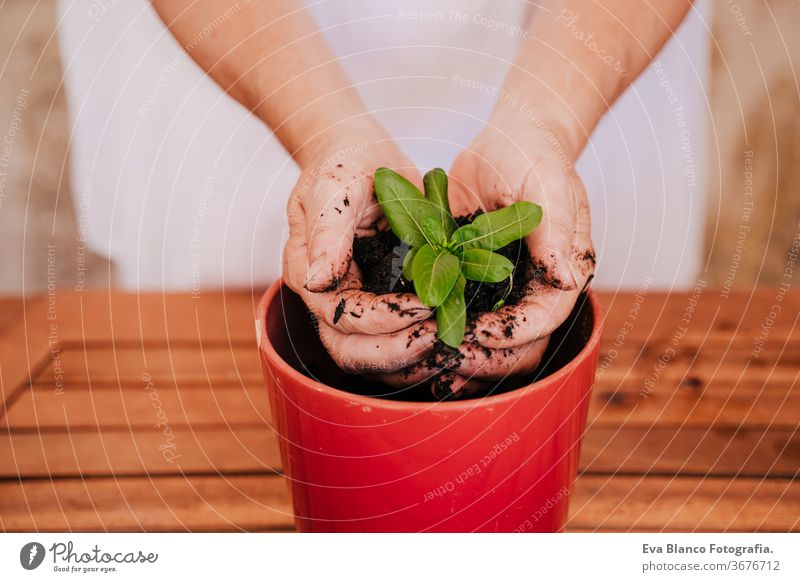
184 189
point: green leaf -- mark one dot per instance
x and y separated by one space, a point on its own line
435 183
408 260
435 273
451 316
462 237
494 230
404 206
485 266
435 231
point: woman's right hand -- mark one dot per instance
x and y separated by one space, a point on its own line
331 203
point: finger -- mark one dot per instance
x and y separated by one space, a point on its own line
476 360
332 208
350 309
560 194
497 364
361 353
473 361
451 386
541 310
295 252
357 311
463 198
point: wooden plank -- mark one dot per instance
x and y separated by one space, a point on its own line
692 399
136 407
676 450
697 393
627 450
698 396
189 365
97 316
94 452
685 504
195 365
11 309
172 503
660 315
259 502
126 364
28 345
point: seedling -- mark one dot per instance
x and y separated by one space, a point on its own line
443 256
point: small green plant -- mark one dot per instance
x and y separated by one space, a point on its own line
443 256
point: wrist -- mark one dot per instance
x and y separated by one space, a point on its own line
338 139
541 121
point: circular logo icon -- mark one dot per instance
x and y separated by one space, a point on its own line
31 555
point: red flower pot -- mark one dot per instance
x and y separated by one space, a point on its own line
354 463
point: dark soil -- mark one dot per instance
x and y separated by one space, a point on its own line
296 341
380 259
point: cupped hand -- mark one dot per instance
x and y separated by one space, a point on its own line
516 161
512 160
332 203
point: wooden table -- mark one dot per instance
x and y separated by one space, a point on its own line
688 429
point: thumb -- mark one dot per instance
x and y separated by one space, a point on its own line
332 211
552 243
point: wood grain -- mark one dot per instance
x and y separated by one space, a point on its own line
685 504
688 428
151 452
261 502
656 450
102 366
134 407
172 503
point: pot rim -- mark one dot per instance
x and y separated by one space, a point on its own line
266 348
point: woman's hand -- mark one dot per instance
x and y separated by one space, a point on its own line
332 202
516 159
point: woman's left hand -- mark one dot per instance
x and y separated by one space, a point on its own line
512 160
